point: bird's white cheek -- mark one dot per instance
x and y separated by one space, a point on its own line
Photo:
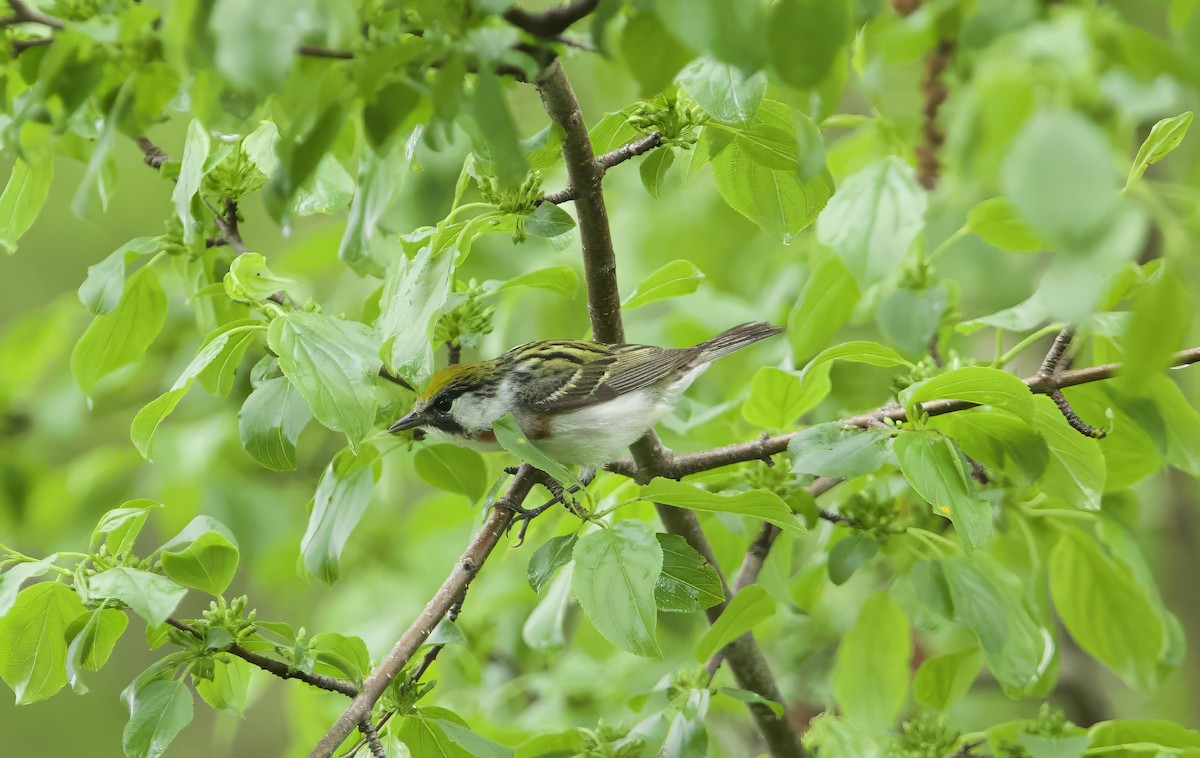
476 412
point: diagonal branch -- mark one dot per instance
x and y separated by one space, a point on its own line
439 605
623 153
23 14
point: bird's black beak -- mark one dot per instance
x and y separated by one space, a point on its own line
411 421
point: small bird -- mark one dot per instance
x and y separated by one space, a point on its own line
581 402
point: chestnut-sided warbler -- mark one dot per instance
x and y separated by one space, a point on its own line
581 402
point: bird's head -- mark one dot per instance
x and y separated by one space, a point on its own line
460 401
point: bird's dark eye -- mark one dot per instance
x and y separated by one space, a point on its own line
443 404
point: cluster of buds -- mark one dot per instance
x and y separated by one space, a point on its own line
675 120
404 692
872 513
516 200
76 10
467 319
232 617
926 736
607 741
102 560
172 243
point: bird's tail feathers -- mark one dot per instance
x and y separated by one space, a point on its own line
735 339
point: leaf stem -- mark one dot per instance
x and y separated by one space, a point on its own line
1024 344
947 243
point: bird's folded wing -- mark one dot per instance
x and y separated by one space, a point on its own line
629 368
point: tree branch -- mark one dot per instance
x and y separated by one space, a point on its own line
439 605
608 160
23 14
552 21
278 668
586 174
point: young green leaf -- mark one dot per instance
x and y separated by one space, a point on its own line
679 277
191 172
413 295
998 222
688 583
942 680
249 280
746 610
870 679
1164 137
33 646
92 637
760 504
560 279
341 655
777 398
849 555
271 421
614 578
333 364
341 498
873 219
806 37
229 687
654 169
158 713
101 290
24 195
825 304
380 175
1162 315
1075 471
974 384
780 202
934 468
548 220
151 596
724 92
832 449
545 562
122 336
119 527
453 469
1104 610
1143 735
910 318
653 54
495 120
207 564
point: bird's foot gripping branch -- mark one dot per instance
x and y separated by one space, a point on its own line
852 579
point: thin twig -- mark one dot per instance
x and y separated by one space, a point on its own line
278 668
314 51
371 737
23 14
929 167
623 153
439 605
552 21
1055 358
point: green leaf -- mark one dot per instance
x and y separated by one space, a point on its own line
548 220
119 527
271 421
748 608
654 169
806 37
1162 315
413 295
615 573
1000 441
910 318
777 398
779 201
341 498
832 449
333 364
158 713
229 687
219 349
191 173
653 54
208 564
849 555
825 304
974 384
14 576
1058 173
873 219
92 636
998 222
760 504
679 277
424 736
1075 471
545 562
256 47
380 176
472 742
560 279
1105 610
33 646
341 655
24 195
544 629
1144 735
870 679
746 696
151 596
942 680
499 130
934 469
249 280
121 337
734 32
510 437
387 110
688 583
724 92
1163 138
453 469
101 290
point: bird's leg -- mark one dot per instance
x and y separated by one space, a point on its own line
559 495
